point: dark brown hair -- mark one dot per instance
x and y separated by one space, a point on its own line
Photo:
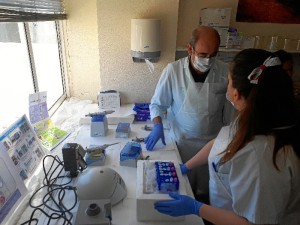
270 106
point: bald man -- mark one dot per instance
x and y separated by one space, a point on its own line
192 91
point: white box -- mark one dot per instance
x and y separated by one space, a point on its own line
145 201
215 17
109 100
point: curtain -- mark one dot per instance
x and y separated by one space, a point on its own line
31 10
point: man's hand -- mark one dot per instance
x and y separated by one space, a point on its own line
156 134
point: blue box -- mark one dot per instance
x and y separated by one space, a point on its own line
123 130
130 153
142 111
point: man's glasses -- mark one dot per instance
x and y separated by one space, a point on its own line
204 55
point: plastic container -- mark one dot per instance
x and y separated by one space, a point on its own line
166 177
130 154
142 111
123 130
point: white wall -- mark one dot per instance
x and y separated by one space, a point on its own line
189 14
97 35
82 48
117 70
98 43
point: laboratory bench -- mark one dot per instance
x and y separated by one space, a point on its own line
125 212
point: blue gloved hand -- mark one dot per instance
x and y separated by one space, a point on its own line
184 169
182 205
156 133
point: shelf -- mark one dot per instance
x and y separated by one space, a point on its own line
223 49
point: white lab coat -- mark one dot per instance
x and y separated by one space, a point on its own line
195 110
250 186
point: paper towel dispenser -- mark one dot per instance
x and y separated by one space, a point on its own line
145 39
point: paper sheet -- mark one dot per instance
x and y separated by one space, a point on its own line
22 146
150 66
49 135
12 190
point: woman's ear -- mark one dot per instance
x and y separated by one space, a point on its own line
236 95
238 99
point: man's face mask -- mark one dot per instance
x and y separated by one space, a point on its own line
202 64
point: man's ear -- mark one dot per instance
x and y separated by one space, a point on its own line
190 49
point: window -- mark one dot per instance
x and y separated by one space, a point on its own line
31 61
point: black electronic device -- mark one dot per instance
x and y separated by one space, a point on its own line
73 156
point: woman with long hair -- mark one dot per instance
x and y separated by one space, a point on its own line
254 164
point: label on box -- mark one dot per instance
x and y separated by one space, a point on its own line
109 99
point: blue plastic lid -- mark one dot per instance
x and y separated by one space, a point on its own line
130 151
98 118
123 127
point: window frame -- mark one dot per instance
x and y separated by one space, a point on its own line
63 69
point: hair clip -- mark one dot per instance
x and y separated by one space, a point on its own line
256 73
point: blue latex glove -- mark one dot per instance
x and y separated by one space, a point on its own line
184 169
156 133
182 205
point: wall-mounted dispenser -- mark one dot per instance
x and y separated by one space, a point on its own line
145 39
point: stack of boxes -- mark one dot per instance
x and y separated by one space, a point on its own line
142 111
234 38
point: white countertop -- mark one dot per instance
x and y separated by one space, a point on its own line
124 213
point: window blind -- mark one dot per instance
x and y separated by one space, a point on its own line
31 10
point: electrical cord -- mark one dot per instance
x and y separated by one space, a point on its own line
52 205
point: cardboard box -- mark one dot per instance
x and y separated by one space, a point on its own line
215 17
145 201
109 99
